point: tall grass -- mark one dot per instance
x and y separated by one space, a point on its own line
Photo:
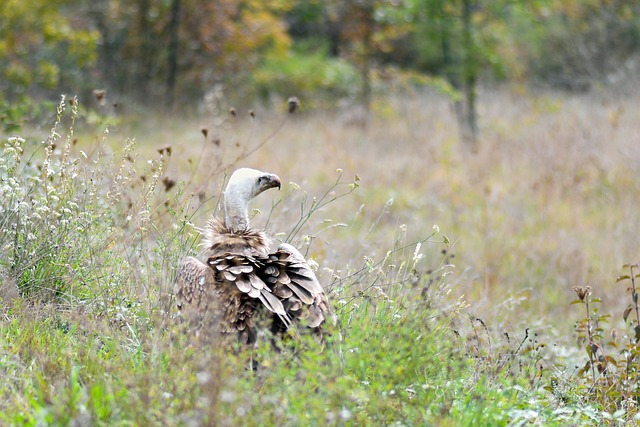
462 327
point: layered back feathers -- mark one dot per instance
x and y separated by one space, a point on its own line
240 278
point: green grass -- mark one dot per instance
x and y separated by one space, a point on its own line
450 271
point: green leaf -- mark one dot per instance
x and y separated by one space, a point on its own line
626 313
621 278
619 413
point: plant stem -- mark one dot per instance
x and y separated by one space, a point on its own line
590 337
634 296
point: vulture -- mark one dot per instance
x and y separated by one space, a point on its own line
242 285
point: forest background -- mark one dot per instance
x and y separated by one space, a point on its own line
173 53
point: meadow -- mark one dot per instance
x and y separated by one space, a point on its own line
451 268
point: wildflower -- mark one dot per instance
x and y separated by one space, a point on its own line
345 414
313 264
417 256
582 292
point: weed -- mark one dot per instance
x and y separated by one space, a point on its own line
90 239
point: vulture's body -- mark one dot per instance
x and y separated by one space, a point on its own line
241 283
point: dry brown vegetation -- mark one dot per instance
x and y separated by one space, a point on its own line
545 202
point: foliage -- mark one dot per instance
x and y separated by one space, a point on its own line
309 74
62 215
155 52
107 350
42 47
118 356
610 375
579 42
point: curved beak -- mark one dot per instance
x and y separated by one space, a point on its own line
275 181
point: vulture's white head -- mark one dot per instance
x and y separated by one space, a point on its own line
244 185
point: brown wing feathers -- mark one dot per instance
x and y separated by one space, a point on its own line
194 280
240 277
283 282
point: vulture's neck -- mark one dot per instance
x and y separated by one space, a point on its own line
236 209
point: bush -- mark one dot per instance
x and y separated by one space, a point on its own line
311 75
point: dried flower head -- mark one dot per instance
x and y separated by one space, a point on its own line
99 94
294 104
204 131
232 111
582 292
168 183
166 149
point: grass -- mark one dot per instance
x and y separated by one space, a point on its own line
451 271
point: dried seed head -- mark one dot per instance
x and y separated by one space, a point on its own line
99 94
204 131
232 111
165 149
294 104
168 183
252 114
582 291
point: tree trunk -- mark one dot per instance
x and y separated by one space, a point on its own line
366 10
172 61
366 71
145 54
469 126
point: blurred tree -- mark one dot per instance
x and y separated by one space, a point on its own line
356 30
43 49
160 50
172 63
448 40
574 43
224 41
317 22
